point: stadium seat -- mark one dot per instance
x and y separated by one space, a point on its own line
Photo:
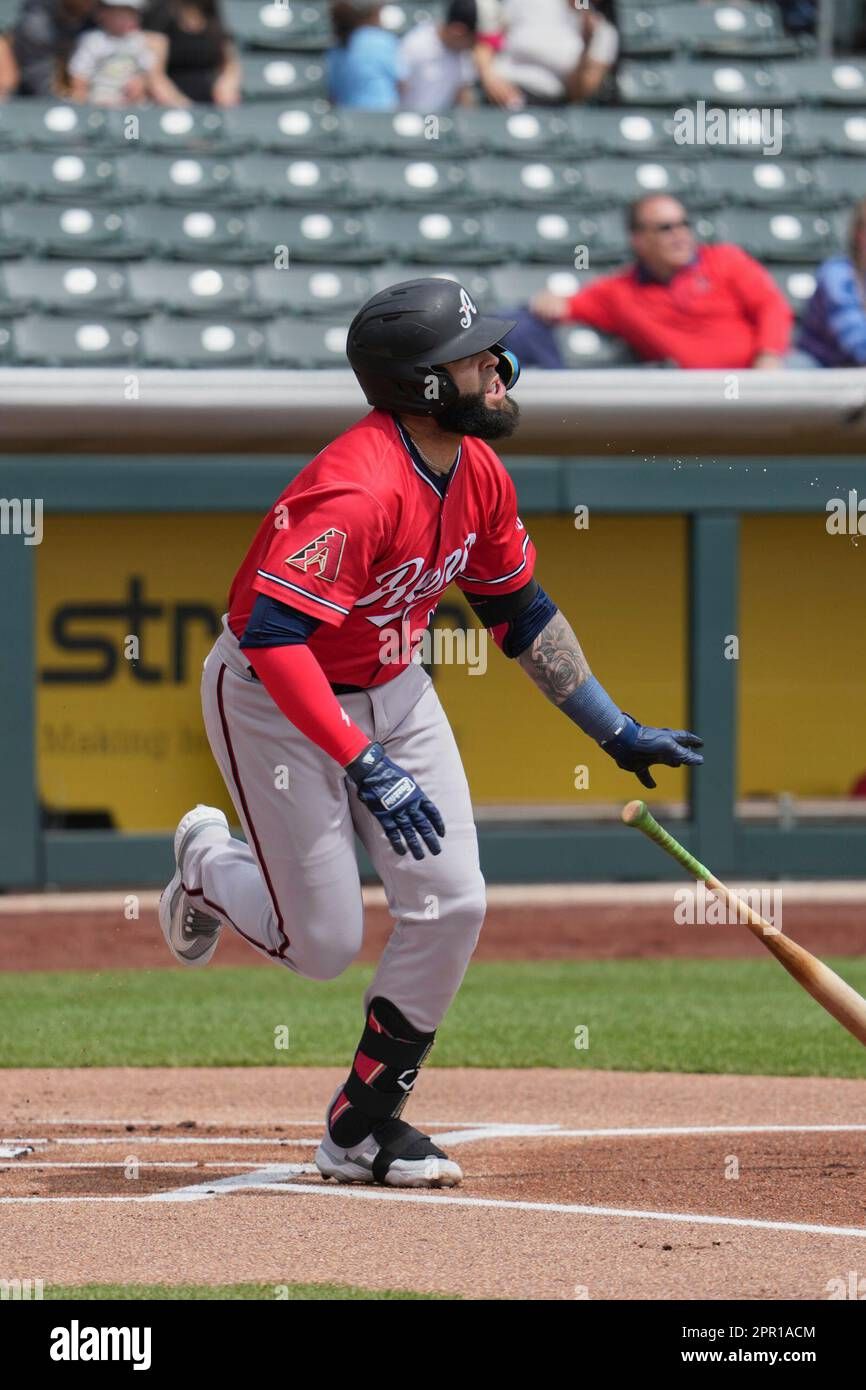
594 130
392 179
292 127
555 235
400 132
583 347
192 130
741 30
797 283
399 16
726 82
314 235
789 234
838 180
49 124
839 81
281 75
167 341
58 287
68 342
63 174
620 181
477 279
312 291
515 132
190 289
273 178
177 177
839 132
451 233
756 182
190 233
260 24
527 181
517 284
296 342
646 31
56 229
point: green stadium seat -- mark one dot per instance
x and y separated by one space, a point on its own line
400 132
620 181
518 284
395 179
757 182
596 130
291 75
449 233
646 31
554 235
294 179
839 180
741 30
312 291
797 283
313 235
167 341
839 81
56 287
789 234
68 342
77 230
259 24
515 132
291 127
399 16
192 130
176 177
476 279
527 181
296 343
8 14
725 82
190 289
582 346
190 233
32 122
839 132
63 174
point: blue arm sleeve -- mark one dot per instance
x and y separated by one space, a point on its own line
525 627
846 311
275 624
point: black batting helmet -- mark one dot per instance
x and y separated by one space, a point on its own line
399 339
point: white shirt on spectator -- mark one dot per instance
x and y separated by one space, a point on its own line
108 63
544 44
434 74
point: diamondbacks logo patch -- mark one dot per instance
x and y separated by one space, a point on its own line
321 556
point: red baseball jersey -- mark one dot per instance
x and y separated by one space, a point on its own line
362 540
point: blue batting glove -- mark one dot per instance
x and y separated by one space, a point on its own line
635 747
397 802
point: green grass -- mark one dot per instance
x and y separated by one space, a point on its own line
290 1293
642 1015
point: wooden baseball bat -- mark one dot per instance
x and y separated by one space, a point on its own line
824 985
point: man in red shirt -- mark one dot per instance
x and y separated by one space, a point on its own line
681 302
324 726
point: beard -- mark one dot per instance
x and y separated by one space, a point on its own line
470 415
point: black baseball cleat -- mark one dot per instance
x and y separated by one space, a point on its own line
394 1154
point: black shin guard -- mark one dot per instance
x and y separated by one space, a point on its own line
383 1073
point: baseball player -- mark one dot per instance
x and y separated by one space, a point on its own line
321 732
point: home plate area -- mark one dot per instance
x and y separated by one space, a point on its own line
790 1176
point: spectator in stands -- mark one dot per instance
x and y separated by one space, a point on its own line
551 52
44 35
439 69
8 68
114 63
195 50
798 16
364 69
680 303
833 328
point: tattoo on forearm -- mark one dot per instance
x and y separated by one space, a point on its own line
555 660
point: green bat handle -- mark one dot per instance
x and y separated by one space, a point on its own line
638 814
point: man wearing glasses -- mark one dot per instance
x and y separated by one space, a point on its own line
680 302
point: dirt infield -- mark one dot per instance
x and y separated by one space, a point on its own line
599 1185
93 931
